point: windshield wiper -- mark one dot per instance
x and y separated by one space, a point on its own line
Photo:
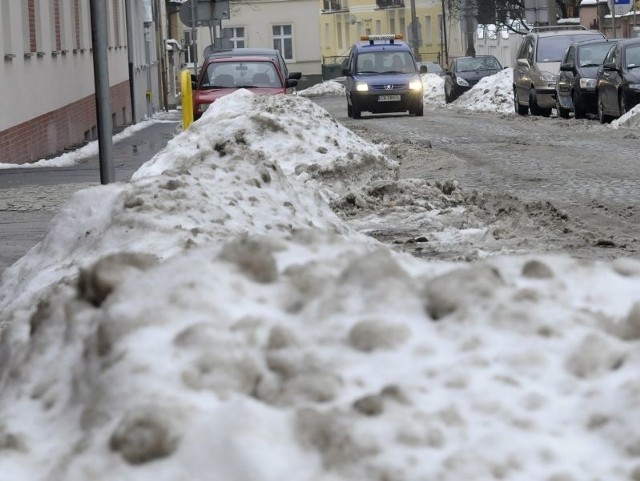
393 71
632 66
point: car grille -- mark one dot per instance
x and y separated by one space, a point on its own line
383 87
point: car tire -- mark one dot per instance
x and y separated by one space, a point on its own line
419 111
357 113
349 110
520 109
604 118
562 112
579 111
533 106
447 97
622 104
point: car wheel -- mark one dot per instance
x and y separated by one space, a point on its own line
578 109
357 113
604 118
520 109
533 106
349 110
419 111
447 96
562 112
623 104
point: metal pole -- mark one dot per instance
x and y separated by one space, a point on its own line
132 90
194 31
99 43
444 37
414 31
612 10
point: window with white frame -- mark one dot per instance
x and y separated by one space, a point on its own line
428 33
283 40
234 37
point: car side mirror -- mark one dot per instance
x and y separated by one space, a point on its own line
566 67
295 75
292 82
523 62
423 69
609 66
346 72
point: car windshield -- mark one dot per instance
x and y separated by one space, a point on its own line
632 56
593 54
240 74
477 63
551 49
385 62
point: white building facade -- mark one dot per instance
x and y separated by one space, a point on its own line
47 103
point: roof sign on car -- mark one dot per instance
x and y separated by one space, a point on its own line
391 37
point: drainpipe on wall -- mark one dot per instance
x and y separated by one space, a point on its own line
132 90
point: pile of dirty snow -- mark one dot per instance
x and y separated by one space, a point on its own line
490 94
328 87
215 319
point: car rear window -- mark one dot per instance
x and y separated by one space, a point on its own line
551 49
240 74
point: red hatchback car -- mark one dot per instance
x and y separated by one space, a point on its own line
221 76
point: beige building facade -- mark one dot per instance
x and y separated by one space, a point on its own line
342 22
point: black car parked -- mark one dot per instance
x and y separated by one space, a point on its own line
576 82
618 80
464 72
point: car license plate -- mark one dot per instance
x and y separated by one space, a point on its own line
389 98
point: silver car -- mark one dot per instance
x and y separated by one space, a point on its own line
537 65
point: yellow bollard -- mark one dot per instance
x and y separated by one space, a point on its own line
187 99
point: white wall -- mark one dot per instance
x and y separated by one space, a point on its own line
504 49
35 85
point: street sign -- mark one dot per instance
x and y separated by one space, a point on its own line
207 12
622 7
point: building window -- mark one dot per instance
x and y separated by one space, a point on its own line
5 15
116 22
327 36
283 40
30 35
428 33
57 27
77 22
234 37
441 31
339 33
378 27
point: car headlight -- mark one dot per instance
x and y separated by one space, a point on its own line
547 76
462 82
634 86
202 108
415 84
587 83
362 86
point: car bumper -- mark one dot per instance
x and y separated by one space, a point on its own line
588 100
387 101
546 97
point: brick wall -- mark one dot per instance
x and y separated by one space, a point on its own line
71 126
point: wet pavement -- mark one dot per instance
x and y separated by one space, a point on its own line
31 196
